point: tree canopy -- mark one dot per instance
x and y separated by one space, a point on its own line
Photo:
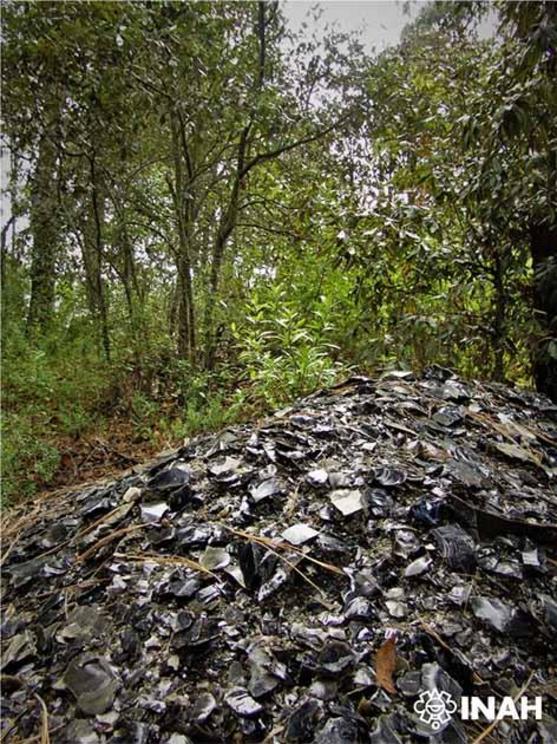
210 214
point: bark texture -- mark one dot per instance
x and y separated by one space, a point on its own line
45 227
544 257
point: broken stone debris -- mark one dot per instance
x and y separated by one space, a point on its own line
239 588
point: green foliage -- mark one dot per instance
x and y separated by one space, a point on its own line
284 349
28 460
46 395
143 415
219 216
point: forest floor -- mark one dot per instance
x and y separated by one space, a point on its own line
113 445
100 455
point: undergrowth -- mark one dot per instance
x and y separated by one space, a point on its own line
54 401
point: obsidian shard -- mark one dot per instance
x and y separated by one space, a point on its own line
238 588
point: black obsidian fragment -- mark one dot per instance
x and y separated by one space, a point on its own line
457 547
389 477
337 731
336 657
169 479
301 722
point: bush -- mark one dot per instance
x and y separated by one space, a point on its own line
28 461
284 352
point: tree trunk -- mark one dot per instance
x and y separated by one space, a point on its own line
500 317
123 262
129 274
184 310
186 341
228 221
44 224
4 252
543 245
226 227
213 290
93 259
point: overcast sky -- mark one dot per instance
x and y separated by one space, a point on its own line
380 21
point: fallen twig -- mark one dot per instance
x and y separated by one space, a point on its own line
486 732
45 736
108 539
433 633
281 545
274 546
172 560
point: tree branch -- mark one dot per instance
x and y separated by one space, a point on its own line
271 154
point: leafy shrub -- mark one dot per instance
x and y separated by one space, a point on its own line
284 352
28 460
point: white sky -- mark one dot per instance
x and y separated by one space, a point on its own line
379 21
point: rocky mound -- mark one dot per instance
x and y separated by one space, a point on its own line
303 580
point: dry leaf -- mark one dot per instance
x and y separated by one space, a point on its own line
385 660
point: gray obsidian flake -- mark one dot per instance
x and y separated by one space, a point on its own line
299 534
92 682
347 502
241 702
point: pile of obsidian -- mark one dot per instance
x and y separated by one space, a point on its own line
305 579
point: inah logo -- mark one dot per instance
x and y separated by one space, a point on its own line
434 708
